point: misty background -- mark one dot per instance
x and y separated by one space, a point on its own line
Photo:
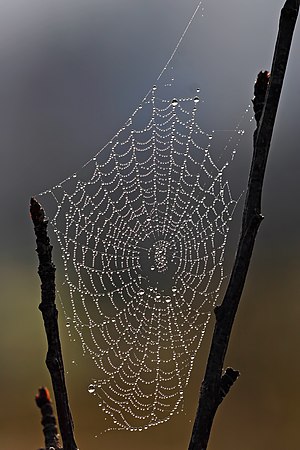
71 73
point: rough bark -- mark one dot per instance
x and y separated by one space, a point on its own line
212 389
43 401
54 359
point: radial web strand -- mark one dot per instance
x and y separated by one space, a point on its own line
142 229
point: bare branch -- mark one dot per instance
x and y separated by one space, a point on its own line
43 401
54 359
212 389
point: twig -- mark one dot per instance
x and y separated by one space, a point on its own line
212 389
54 360
43 401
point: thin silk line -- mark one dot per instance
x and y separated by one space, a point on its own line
181 39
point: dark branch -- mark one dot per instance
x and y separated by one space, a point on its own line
260 91
227 381
43 401
213 389
54 360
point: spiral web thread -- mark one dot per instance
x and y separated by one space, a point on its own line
142 229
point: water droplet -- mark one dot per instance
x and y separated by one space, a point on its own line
152 268
141 292
174 102
168 299
196 99
154 88
174 289
91 388
68 322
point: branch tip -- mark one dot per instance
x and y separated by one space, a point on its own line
227 381
260 90
42 397
36 211
43 401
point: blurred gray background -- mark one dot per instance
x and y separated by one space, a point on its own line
71 73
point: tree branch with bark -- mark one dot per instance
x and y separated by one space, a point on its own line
212 390
54 359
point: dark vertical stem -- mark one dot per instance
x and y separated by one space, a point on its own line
43 401
54 359
212 389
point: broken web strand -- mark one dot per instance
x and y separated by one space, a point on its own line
166 235
142 229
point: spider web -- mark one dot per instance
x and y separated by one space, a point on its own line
142 229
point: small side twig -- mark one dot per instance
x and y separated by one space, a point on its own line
212 389
43 401
54 359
